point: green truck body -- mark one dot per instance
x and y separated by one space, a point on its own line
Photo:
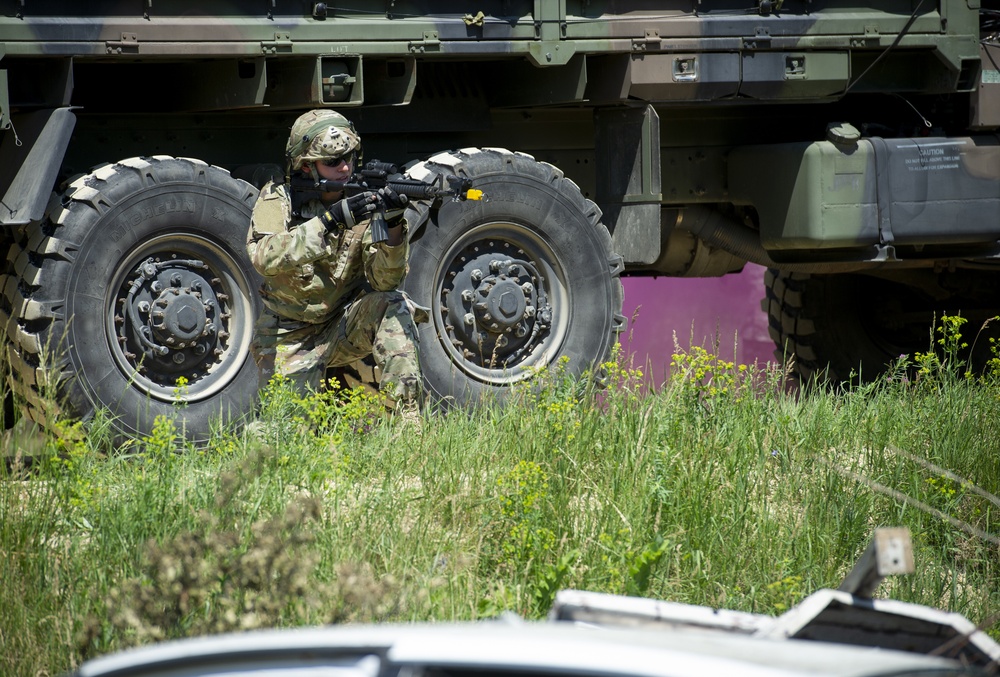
850 147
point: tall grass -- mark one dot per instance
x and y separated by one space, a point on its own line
721 488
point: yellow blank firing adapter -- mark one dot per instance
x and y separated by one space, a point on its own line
474 194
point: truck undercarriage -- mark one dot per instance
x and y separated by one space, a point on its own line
852 150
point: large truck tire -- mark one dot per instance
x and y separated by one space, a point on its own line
514 282
843 328
136 294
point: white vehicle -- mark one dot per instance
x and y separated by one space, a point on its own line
832 633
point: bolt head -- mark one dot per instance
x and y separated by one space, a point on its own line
187 319
507 305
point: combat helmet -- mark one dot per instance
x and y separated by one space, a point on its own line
320 134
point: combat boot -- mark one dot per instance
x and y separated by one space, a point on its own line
407 412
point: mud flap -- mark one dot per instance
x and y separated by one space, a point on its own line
44 137
629 188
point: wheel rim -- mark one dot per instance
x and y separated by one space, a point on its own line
179 306
502 300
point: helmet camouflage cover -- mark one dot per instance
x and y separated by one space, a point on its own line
320 134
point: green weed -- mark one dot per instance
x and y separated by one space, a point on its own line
721 488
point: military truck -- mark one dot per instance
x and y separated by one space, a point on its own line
849 147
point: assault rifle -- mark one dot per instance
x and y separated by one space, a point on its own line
375 175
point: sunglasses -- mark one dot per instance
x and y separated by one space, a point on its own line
334 161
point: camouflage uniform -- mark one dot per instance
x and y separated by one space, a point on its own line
330 298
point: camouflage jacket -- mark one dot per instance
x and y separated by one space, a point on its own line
310 272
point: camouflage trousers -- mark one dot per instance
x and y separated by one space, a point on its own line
378 324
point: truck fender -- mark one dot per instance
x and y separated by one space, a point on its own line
35 148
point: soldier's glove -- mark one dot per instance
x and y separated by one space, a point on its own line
391 199
350 210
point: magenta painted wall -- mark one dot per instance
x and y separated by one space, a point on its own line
721 314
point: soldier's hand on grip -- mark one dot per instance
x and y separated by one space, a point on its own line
351 210
392 199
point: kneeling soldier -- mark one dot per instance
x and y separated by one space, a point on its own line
330 294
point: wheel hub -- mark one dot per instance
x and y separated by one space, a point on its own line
173 320
494 312
178 316
502 306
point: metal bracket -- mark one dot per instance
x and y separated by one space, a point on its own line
890 552
129 44
761 39
871 38
648 42
431 41
551 53
282 44
4 102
